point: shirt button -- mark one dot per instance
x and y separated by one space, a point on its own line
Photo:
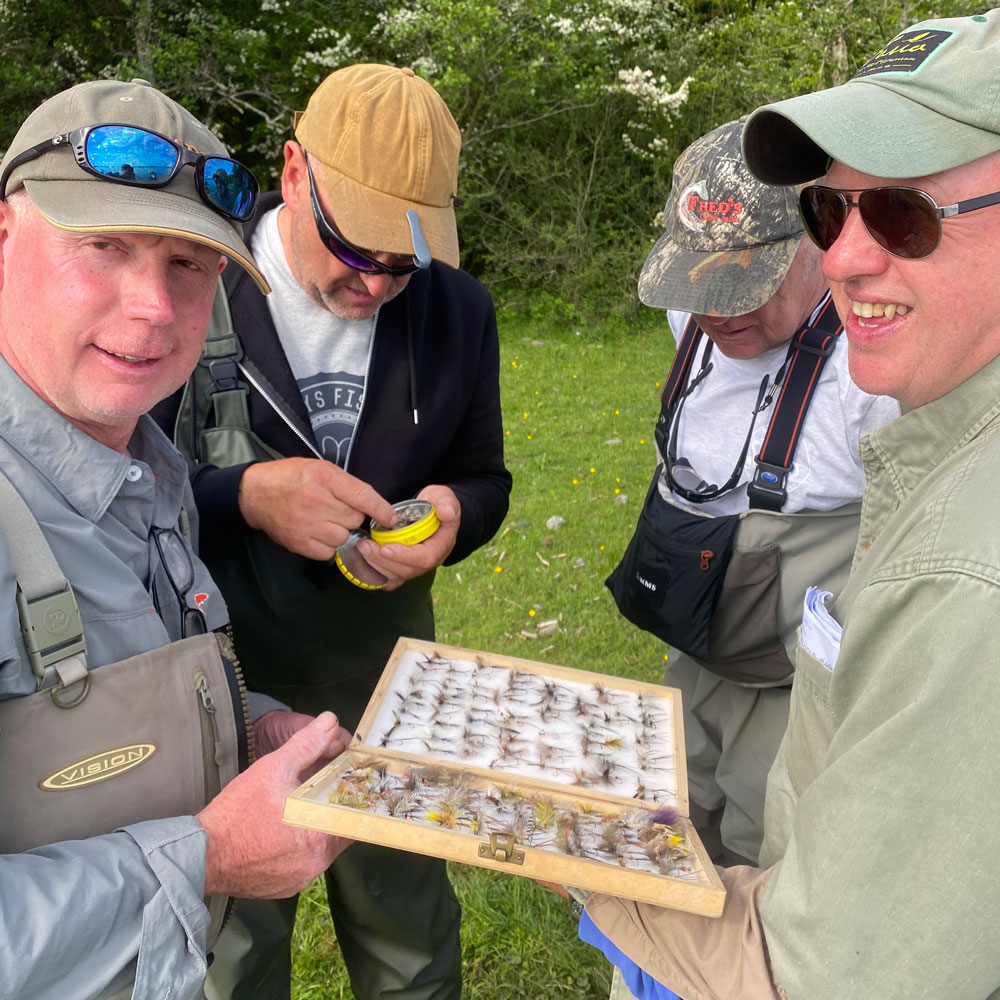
134 474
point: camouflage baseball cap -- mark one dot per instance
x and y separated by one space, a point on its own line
927 101
729 239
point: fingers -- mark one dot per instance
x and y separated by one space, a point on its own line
308 745
445 502
308 506
399 563
250 853
274 729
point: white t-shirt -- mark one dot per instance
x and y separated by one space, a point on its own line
712 426
328 355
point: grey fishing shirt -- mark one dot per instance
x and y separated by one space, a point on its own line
80 919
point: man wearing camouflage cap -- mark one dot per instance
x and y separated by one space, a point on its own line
880 874
733 264
114 227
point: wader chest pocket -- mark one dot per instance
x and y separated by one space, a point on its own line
670 577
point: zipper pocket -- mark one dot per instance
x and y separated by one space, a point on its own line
209 736
246 752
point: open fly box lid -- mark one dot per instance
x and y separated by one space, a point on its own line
535 769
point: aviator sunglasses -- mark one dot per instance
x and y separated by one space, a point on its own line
357 259
902 220
140 157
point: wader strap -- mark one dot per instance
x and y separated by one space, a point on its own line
232 373
222 355
50 618
677 380
807 354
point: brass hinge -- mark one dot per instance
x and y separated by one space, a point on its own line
502 847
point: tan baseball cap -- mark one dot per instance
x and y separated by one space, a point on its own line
729 239
78 202
388 144
927 101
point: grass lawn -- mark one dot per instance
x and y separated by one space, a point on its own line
579 408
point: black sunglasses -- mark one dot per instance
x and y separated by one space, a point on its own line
354 257
176 560
127 154
902 220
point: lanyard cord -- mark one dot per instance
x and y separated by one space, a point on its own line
764 398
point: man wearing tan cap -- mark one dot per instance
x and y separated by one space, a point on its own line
368 377
118 211
880 875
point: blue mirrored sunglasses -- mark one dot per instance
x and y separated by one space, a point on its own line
127 154
354 257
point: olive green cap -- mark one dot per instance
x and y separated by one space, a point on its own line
927 101
729 239
74 200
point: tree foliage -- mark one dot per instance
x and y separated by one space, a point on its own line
572 111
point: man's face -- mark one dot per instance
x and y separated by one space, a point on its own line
345 292
946 325
775 322
101 326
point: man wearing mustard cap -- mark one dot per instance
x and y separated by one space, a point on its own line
368 377
118 210
880 827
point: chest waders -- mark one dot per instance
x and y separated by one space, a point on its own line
92 750
717 588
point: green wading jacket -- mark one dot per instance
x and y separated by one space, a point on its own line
881 818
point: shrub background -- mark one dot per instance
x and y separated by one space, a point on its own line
571 110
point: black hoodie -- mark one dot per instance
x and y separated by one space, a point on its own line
304 634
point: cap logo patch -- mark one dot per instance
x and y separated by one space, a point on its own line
695 211
905 53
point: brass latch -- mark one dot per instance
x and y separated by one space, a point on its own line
502 847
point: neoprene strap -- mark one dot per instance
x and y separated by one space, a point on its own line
50 618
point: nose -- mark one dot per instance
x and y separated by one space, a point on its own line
147 293
854 253
378 283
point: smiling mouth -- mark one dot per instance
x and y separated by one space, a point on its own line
131 358
889 310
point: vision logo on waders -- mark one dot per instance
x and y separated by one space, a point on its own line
98 767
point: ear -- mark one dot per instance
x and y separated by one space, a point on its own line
294 179
7 222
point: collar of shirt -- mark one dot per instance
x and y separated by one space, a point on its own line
914 445
87 474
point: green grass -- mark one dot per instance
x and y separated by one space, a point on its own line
579 409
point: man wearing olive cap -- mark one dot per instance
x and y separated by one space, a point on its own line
369 376
107 278
880 826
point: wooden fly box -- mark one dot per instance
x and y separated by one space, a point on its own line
544 771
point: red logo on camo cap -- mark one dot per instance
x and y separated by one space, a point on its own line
695 211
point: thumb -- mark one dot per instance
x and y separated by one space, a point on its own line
306 746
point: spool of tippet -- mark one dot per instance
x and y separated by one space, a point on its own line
416 521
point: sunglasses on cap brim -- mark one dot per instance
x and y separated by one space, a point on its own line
356 258
139 157
904 221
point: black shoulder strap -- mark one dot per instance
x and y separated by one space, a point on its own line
677 379
807 354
